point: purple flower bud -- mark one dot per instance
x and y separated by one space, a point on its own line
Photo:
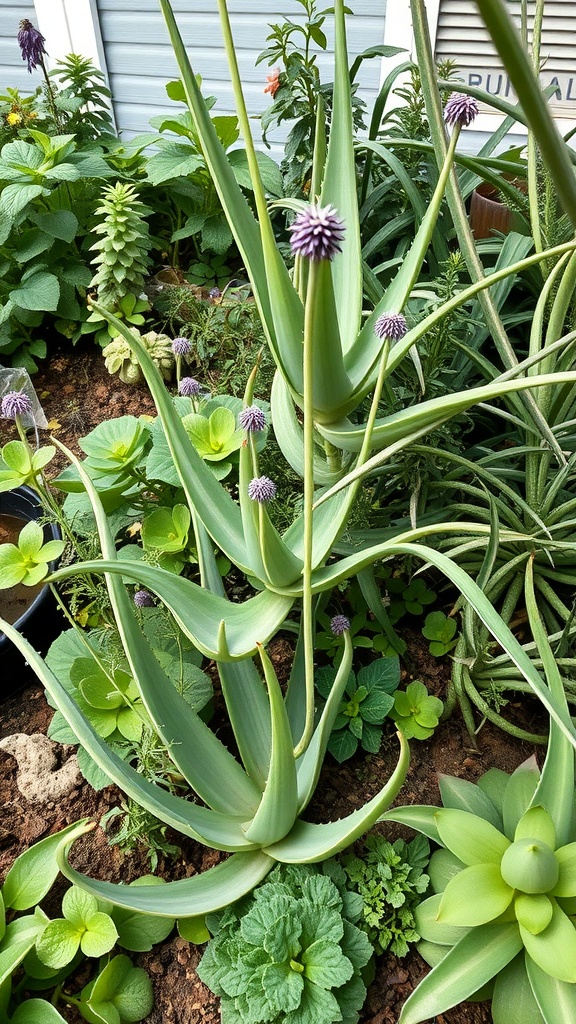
142 599
317 233
16 403
252 418
214 293
460 109
339 624
262 489
181 347
189 387
31 43
391 325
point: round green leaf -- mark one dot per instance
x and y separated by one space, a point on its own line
58 943
100 935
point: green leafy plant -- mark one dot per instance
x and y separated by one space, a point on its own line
118 357
28 561
391 879
122 258
291 952
368 699
42 955
500 921
415 711
19 464
439 629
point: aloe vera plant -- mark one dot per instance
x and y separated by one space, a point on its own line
252 806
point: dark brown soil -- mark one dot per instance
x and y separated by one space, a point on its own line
77 393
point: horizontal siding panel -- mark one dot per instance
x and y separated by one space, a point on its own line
462 37
140 61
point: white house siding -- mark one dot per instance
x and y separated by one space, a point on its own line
139 59
13 70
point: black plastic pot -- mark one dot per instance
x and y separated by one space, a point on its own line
41 622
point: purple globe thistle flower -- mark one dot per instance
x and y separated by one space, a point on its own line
31 43
460 109
339 625
262 489
317 233
391 325
16 403
252 418
142 599
189 387
181 347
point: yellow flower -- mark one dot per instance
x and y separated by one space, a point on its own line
14 117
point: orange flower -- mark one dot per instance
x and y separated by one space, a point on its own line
273 80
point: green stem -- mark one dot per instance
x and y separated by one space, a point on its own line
308 431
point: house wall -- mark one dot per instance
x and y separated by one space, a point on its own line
13 70
139 58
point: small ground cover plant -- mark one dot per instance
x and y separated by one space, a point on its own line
43 955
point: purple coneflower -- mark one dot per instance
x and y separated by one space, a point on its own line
317 233
460 109
391 325
252 418
339 625
262 489
31 43
181 347
16 403
189 387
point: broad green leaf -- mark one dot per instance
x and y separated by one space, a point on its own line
78 906
100 935
194 929
474 960
566 884
33 873
58 944
174 160
536 823
421 817
442 866
475 896
470 838
556 999
15 198
325 964
140 932
554 949
519 794
36 1011
283 987
513 1001
466 796
62 224
533 911
40 291
431 929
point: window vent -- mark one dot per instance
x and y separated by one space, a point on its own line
461 36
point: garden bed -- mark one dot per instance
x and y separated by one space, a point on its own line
76 393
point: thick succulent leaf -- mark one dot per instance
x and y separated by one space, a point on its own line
249 714
556 999
536 823
331 386
289 435
519 794
219 628
554 949
209 827
442 866
309 765
431 929
475 896
566 884
189 897
279 805
465 796
470 838
420 817
475 960
493 783
308 843
513 1001
533 911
